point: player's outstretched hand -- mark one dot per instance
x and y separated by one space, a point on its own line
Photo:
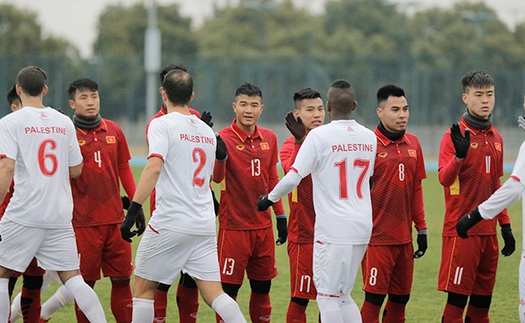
296 126
140 222
461 144
221 152
125 202
129 221
263 203
466 222
508 239
422 243
206 118
282 229
521 123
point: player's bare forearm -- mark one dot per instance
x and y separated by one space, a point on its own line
76 171
148 179
7 168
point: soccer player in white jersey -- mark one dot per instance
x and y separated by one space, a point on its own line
340 156
511 191
42 143
181 232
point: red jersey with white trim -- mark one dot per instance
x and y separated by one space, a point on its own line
249 172
473 180
96 193
6 199
301 221
397 197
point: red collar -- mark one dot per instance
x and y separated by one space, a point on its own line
243 135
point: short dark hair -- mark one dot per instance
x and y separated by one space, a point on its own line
306 93
178 86
12 96
81 84
480 79
32 79
248 89
171 67
387 91
341 96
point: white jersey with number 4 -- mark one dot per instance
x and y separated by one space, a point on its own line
44 145
340 156
183 198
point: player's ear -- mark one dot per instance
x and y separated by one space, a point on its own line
44 92
464 97
72 104
296 113
355 105
192 96
379 112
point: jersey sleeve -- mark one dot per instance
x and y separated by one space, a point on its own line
158 139
306 158
448 166
8 146
288 153
507 194
75 156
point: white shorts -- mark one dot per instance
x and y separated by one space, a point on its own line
335 267
55 249
162 254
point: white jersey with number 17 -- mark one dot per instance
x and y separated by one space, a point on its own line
43 143
183 198
340 156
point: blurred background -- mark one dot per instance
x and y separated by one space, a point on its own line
282 46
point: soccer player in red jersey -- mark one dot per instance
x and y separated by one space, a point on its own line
246 240
309 112
397 202
470 167
97 213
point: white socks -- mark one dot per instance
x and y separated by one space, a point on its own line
60 298
349 309
86 298
4 300
228 309
143 311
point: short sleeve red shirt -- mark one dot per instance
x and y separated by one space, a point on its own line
302 215
248 168
96 193
478 177
396 197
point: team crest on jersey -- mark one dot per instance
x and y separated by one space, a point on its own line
240 147
474 145
497 145
111 139
81 143
412 153
265 146
382 155
350 129
43 115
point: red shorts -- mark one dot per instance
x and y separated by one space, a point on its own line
388 269
468 266
102 247
301 270
252 251
31 270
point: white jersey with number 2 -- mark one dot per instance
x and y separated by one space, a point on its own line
340 156
183 198
43 143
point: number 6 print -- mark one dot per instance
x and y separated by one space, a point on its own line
49 157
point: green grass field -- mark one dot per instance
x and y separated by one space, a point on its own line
426 303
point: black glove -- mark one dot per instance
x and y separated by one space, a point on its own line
206 118
263 203
130 220
461 144
508 238
215 203
296 126
422 243
221 152
466 222
125 202
282 229
140 222
521 123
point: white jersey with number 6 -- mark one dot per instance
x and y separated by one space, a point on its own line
183 198
44 145
340 156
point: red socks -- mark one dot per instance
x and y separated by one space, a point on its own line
30 304
260 307
370 312
394 312
121 300
161 302
452 314
188 304
477 315
296 313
